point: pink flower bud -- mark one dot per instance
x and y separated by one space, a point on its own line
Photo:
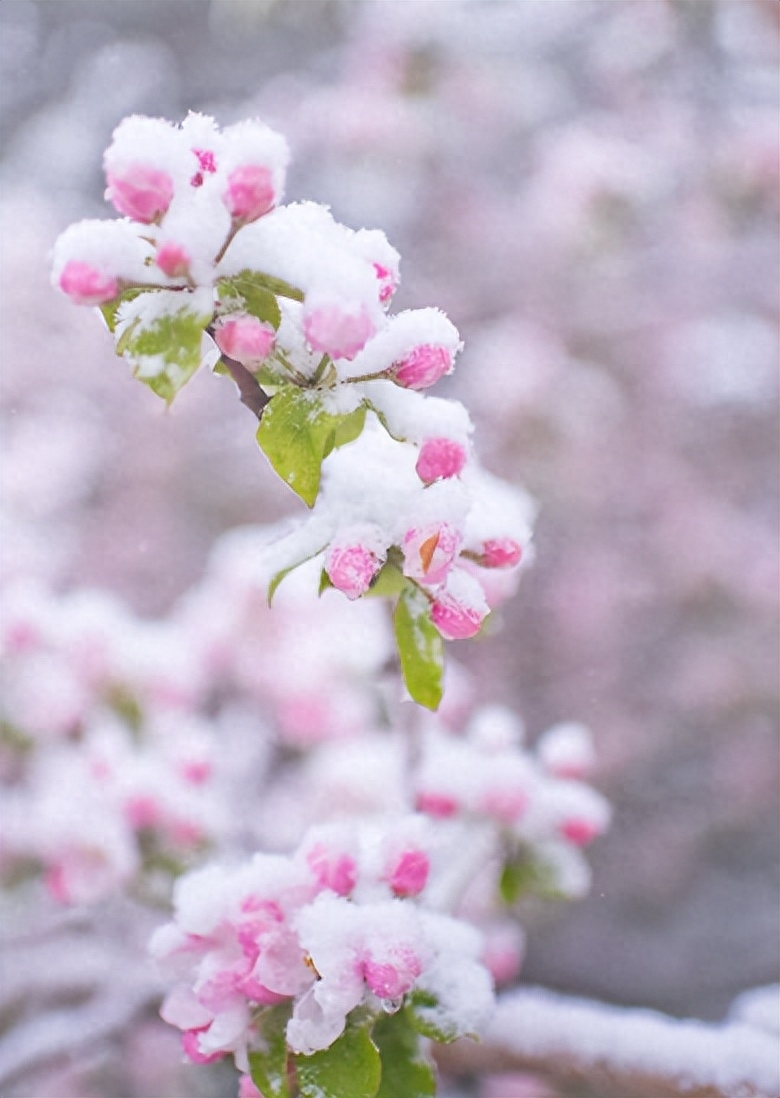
336 329
247 1089
245 339
505 805
392 978
459 610
429 551
140 191
173 260
500 553
439 805
440 458
250 192
207 164
332 868
580 832
86 285
503 952
422 367
409 874
351 568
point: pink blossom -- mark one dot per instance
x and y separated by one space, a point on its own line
250 192
500 553
440 459
408 874
392 973
388 281
173 260
247 1089
422 367
505 805
502 953
206 162
580 831
455 620
429 551
140 191
439 805
245 339
332 868
191 1047
86 285
337 329
351 568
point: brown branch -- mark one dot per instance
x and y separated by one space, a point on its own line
249 388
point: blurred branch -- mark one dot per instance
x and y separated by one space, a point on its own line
613 1052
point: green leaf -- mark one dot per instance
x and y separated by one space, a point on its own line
165 346
405 1070
388 581
325 582
350 1068
277 579
268 1067
250 290
420 648
111 308
425 1017
349 427
296 434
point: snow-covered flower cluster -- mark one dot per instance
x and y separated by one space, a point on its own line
208 267
339 926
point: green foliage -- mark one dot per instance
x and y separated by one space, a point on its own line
165 350
426 1018
269 1067
296 434
406 1073
350 1068
249 292
111 308
420 648
522 873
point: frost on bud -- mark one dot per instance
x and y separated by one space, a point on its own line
429 551
337 328
422 367
459 610
86 285
440 459
353 561
245 339
566 751
500 553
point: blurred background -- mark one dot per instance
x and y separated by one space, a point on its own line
589 189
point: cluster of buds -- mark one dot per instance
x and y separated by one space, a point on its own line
337 930
207 267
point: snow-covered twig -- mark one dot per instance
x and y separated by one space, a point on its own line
622 1053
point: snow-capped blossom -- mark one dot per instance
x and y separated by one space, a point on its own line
253 164
244 338
407 873
503 950
440 458
567 751
354 558
146 162
338 328
173 259
429 552
92 259
566 810
331 856
373 245
459 609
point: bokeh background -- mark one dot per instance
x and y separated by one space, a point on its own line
589 189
